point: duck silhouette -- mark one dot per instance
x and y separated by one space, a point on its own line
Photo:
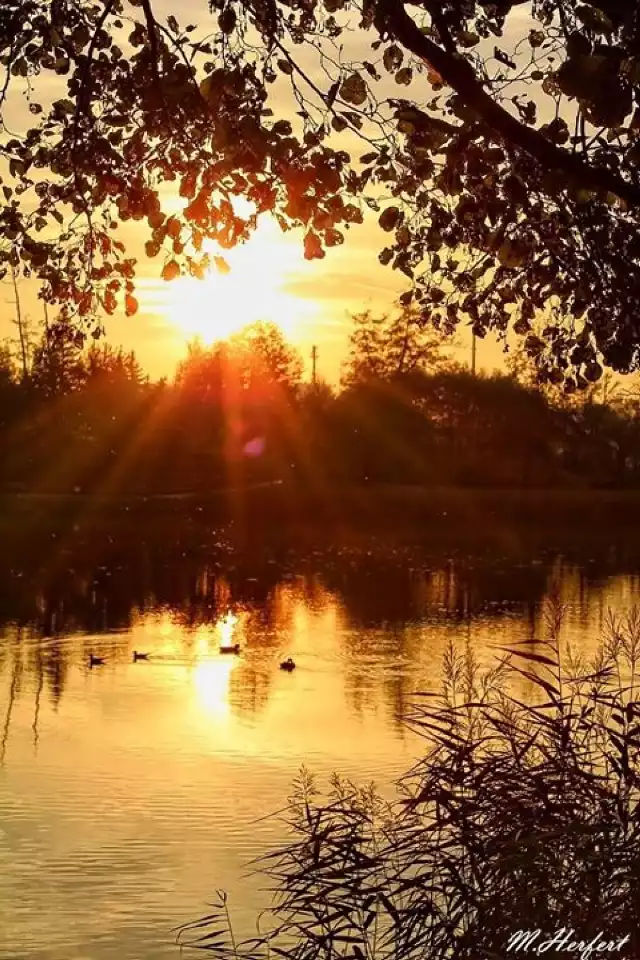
139 656
95 661
288 665
230 648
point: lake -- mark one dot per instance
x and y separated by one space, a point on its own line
130 792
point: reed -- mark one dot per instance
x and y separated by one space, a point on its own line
523 814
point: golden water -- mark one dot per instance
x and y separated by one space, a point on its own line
130 792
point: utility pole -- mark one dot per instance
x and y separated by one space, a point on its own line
473 352
314 361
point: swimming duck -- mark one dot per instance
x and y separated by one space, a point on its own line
95 661
230 648
288 665
139 656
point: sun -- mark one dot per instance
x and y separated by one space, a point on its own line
253 289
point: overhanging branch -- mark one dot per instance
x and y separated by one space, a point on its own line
460 76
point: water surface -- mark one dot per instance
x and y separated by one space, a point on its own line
130 792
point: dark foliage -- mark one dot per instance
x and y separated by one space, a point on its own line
499 152
238 413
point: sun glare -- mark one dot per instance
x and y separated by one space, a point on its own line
254 289
211 681
212 676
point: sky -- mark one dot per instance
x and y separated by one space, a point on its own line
311 300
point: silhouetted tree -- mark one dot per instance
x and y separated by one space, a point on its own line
57 368
389 346
7 366
107 366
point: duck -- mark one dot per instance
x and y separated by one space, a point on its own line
288 665
139 656
95 661
230 648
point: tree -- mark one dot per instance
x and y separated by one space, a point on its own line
7 365
243 390
106 366
264 360
508 144
385 347
256 358
57 367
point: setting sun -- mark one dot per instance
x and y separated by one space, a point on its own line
253 289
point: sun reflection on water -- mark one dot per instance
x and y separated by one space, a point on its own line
212 676
212 681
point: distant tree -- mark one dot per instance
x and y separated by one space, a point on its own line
319 395
257 357
263 359
203 377
104 364
57 368
7 366
388 346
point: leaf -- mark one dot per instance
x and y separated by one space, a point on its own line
222 265
313 247
171 271
404 76
131 305
333 93
227 20
354 90
16 168
392 58
390 218
503 58
468 39
537 657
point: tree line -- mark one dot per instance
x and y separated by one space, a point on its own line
240 411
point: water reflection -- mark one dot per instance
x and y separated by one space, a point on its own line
130 792
377 621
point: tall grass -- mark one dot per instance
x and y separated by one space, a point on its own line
522 815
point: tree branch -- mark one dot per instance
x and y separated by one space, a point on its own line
460 76
84 93
153 40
